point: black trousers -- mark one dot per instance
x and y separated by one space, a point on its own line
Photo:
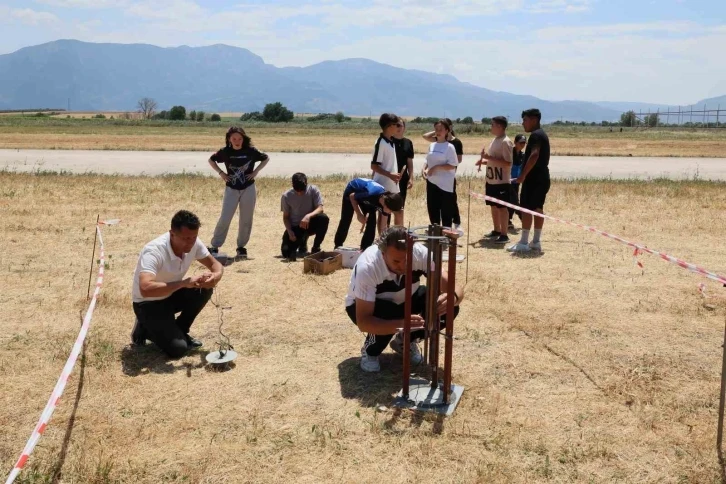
457 215
376 343
318 226
403 187
514 200
158 320
346 217
441 205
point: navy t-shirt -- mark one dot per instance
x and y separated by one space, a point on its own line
458 146
239 164
404 151
538 138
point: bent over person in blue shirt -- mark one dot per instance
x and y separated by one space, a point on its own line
365 198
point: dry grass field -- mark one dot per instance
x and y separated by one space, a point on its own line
343 138
578 366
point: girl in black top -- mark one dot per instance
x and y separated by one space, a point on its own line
239 158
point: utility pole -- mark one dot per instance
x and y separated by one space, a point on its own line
69 105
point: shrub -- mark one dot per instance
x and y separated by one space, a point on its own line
178 113
277 113
215 117
100 116
253 116
200 116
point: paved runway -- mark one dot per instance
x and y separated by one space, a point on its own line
312 164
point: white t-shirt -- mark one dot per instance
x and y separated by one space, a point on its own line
442 154
157 258
371 279
384 155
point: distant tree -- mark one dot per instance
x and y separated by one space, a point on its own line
651 120
628 119
200 115
467 120
339 116
100 116
192 116
178 113
253 116
277 113
161 115
427 120
486 120
215 117
147 107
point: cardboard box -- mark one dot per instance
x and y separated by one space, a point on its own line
322 263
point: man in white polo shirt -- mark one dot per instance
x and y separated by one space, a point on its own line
376 297
161 290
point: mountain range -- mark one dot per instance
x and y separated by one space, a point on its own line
113 77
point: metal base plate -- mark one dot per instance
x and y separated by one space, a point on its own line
216 359
423 398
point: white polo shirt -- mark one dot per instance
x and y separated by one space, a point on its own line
157 258
371 279
384 155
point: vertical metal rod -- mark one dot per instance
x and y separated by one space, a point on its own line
428 304
430 297
407 316
90 272
450 301
435 333
722 399
468 231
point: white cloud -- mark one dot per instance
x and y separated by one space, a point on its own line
90 4
26 16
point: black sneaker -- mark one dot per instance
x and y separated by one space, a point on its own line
493 234
502 239
315 250
213 250
193 343
292 256
302 250
138 335
241 253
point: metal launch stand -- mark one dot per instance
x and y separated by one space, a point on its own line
437 394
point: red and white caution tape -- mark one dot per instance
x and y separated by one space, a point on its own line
637 248
67 369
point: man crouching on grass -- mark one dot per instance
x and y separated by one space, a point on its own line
376 297
161 290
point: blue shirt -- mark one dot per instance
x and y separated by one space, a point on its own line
517 163
367 192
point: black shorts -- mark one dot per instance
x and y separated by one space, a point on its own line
501 191
534 193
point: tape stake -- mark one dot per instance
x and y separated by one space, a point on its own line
60 385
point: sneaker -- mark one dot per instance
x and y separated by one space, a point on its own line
138 335
535 246
414 355
302 250
369 363
292 257
315 250
519 248
213 250
241 253
502 239
491 235
193 342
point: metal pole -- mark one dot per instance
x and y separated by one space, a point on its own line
407 316
722 400
468 231
90 272
450 301
435 319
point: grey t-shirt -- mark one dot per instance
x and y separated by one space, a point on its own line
300 205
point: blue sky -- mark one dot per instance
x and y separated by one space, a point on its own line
660 51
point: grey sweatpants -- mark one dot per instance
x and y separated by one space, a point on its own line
246 200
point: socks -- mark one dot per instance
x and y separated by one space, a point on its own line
524 237
537 235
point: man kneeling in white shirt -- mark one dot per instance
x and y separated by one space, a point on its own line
161 289
376 296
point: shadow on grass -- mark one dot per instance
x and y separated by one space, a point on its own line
485 243
370 389
137 361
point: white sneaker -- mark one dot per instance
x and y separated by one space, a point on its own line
519 248
414 355
535 246
369 363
